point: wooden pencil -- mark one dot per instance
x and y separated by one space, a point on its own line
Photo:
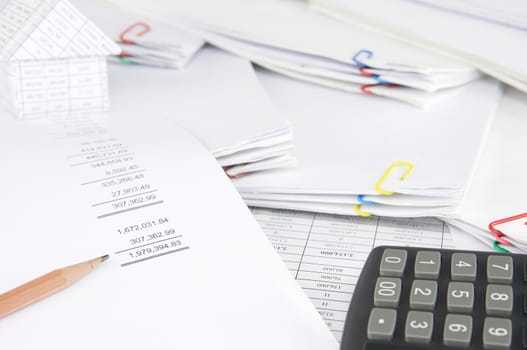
45 285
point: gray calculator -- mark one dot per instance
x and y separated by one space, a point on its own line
417 298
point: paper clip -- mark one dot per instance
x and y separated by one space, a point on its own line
359 211
145 29
388 172
357 207
374 76
364 88
499 234
361 200
498 248
356 59
123 59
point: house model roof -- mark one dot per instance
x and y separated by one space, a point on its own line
48 29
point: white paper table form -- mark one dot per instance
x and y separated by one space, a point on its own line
325 253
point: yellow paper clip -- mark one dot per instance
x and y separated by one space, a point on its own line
359 211
378 188
389 171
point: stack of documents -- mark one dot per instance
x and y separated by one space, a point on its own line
354 154
498 190
142 39
219 99
457 29
315 48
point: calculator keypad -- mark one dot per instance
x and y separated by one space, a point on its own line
430 299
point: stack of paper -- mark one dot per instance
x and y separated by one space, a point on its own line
459 32
345 144
316 49
498 190
142 39
217 91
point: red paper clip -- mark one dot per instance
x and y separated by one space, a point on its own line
366 74
364 88
122 37
498 234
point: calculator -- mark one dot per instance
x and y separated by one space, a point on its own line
416 298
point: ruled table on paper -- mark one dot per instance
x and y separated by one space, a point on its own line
325 253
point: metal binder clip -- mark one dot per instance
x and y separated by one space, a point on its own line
145 29
383 178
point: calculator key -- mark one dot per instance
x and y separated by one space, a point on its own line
458 330
499 269
463 267
387 292
393 262
423 295
525 302
497 333
525 270
381 324
524 335
498 300
427 264
460 297
419 326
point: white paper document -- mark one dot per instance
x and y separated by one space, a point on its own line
52 59
325 253
217 97
189 267
498 190
345 143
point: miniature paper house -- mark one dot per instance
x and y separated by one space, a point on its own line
52 60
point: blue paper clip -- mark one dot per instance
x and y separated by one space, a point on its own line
361 200
356 60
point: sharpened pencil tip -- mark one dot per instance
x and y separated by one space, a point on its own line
104 257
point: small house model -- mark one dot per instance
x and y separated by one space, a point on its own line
52 60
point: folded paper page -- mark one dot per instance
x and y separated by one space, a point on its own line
189 266
53 59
